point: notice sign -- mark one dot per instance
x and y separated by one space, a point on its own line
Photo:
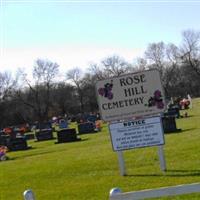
136 133
131 95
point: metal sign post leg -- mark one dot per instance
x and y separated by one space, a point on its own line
162 158
121 163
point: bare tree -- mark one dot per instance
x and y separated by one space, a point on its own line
45 71
155 53
111 66
7 84
64 99
37 94
90 100
140 65
171 73
97 71
75 75
115 66
190 49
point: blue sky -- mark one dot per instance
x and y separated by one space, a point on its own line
75 34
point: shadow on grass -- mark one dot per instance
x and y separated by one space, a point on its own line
78 140
37 153
179 130
54 138
189 116
170 173
189 129
29 155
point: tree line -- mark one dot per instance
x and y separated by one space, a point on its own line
24 99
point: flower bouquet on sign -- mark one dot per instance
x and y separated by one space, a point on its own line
156 100
107 90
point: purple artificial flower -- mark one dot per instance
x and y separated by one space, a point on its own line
101 91
2 154
160 105
157 94
110 95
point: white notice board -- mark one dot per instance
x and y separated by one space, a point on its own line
136 133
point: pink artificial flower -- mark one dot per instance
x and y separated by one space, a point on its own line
160 105
110 95
101 91
157 94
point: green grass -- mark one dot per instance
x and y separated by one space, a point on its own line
88 169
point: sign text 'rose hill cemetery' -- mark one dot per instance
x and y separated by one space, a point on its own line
131 95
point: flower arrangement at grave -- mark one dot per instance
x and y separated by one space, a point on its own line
3 150
184 103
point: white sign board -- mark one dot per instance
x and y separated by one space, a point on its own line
130 95
137 133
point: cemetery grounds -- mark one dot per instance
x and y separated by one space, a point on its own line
88 169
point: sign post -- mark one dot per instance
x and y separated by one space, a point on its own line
132 101
122 166
162 158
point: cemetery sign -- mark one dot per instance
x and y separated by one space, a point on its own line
137 133
130 95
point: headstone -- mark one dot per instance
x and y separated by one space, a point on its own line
172 112
44 125
4 139
45 134
44 131
67 135
169 124
87 127
92 118
18 143
29 136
